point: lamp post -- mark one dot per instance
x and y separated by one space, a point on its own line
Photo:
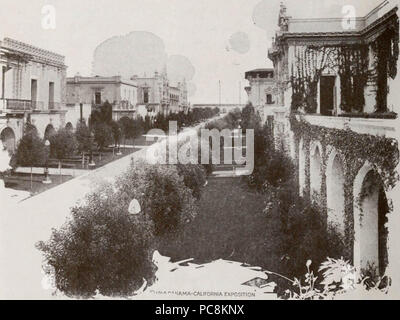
46 169
118 142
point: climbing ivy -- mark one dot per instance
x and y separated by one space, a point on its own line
351 63
356 148
386 53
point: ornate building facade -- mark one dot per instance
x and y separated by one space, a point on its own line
262 92
33 88
156 95
337 119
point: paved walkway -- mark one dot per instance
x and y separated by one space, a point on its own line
54 171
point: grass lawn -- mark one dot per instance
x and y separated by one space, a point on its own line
230 225
22 181
108 156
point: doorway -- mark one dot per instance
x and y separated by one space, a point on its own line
327 95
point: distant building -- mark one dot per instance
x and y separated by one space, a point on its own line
32 88
91 92
156 95
174 97
262 91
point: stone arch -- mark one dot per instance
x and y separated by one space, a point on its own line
49 131
370 220
315 168
69 126
302 167
8 138
335 197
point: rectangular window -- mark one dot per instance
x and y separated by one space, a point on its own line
51 95
34 93
146 96
327 96
269 99
97 98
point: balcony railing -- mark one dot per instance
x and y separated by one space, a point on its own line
38 105
382 127
54 105
18 105
29 105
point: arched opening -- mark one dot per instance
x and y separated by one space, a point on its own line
49 131
69 127
302 166
8 139
335 191
370 214
315 170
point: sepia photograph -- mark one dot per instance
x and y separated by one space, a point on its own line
206 150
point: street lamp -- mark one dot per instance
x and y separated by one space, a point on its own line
118 145
46 169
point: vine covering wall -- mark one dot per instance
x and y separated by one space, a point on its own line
351 63
355 148
386 54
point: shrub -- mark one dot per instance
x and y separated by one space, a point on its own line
162 193
339 280
62 144
194 177
101 249
302 230
271 167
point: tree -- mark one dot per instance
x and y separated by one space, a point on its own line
102 114
84 140
116 132
127 128
138 127
62 145
250 118
102 135
83 137
31 149
147 123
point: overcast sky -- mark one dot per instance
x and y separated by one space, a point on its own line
221 38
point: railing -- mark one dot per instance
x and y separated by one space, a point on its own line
29 105
382 127
18 104
54 105
38 105
124 105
